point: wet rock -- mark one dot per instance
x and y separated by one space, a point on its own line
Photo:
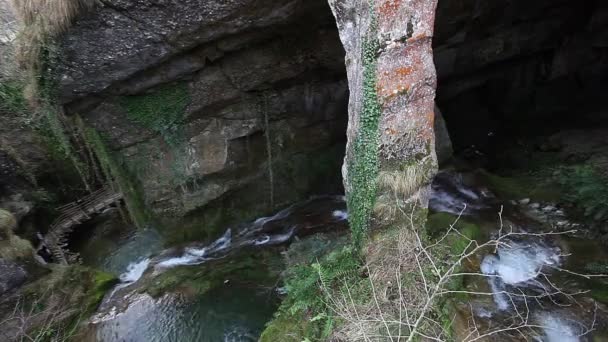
524 201
534 205
13 275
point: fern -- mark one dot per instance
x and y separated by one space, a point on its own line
305 283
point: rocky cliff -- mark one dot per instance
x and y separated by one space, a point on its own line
213 108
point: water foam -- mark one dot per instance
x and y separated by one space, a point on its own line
517 264
135 271
340 215
557 329
195 256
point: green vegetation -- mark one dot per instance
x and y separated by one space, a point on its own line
61 300
363 163
161 111
243 268
597 267
11 97
115 171
584 186
537 186
304 313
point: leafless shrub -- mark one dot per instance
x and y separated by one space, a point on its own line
48 317
410 277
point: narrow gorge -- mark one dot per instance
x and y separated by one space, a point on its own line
303 170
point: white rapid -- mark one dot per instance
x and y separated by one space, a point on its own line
195 256
450 194
134 271
305 217
517 264
230 313
271 230
524 273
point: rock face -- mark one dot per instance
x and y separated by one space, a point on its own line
13 275
214 108
391 111
519 66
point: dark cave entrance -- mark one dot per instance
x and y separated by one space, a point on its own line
518 72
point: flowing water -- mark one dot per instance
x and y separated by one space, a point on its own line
233 312
535 276
530 277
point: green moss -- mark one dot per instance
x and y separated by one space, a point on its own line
363 163
11 97
598 290
289 328
101 284
522 186
438 223
161 111
115 171
243 268
455 244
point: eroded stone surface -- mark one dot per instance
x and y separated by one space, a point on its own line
265 99
405 79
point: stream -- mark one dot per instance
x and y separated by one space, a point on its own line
534 284
532 278
234 311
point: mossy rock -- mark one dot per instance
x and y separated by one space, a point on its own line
258 267
438 223
525 186
161 110
288 328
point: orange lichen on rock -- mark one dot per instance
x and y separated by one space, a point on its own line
401 78
389 7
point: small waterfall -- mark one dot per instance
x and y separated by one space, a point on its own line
517 264
195 256
450 194
134 271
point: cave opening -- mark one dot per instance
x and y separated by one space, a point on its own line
524 76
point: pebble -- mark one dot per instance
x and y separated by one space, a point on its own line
524 201
534 205
549 208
